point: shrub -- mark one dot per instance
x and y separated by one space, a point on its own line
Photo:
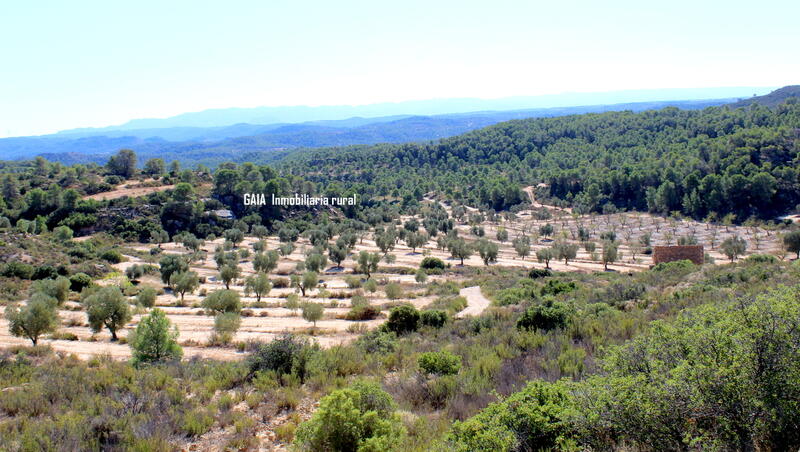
80 280
434 318
287 354
539 273
378 341
515 295
292 302
363 312
62 233
450 304
44 272
370 286
146 297
353 282
684 264
63 336
762 258
112 256
439 363
155 340
17 270
373 398
280 283
225 326
622 291
555 287
393 291
196 422
403 319
531 419
430 263
340 424
547 316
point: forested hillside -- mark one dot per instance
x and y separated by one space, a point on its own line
715 162
148 307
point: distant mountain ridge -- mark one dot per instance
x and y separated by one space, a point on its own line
772 99
299 114
211 145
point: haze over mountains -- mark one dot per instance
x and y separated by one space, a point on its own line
232 134
300 114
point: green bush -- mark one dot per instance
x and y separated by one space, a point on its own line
403 319
684 264
17 270
363 312
79 280
435 318
450 304
430 263
439 363
347 421
537 273
378 341
370 286
555 287
762 258
112 256
155 340
531 419
515 295
146 297
353 282
287 354
393 291
196 423
546 316
45 272
225 326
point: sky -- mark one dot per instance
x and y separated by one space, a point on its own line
98 63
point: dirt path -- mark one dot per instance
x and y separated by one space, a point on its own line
476 302
130 191
530 192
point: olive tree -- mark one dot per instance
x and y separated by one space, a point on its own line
107 307
545 255
37 317
265 262
488 251
258 284
184 282
522 245
609 253
368 262
308 281
733 247
228 273
220 301
791 241
312 312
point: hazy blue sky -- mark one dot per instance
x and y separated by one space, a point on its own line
80 63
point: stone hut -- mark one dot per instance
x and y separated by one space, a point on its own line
693 253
